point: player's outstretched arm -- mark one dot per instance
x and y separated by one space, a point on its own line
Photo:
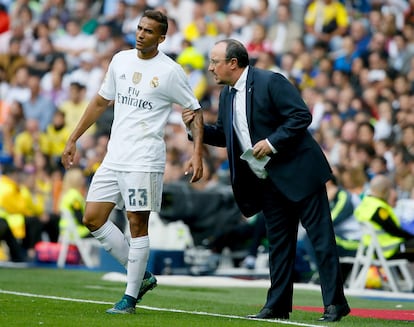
93 111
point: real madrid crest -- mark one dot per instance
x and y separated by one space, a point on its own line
136 78
154 82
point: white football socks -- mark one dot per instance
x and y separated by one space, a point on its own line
137 264
113 241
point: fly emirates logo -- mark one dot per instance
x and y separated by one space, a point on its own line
132 99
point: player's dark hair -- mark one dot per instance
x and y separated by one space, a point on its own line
159 17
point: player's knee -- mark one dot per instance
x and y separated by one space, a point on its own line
91 223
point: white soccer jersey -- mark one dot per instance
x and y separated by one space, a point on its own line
143 92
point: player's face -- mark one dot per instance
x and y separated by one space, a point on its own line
147 38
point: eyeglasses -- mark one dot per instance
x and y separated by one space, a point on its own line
214 62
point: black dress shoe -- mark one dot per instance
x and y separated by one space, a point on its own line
335 312
267 313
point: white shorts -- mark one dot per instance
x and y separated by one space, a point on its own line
136 191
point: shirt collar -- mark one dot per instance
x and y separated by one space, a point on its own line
240 85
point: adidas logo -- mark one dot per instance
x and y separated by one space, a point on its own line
122 76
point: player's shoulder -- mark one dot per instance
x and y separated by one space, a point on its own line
162 57
125 53
167 65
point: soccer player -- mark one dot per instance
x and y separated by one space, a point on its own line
143 83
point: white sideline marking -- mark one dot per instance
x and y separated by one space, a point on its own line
157 309
53 297
213 281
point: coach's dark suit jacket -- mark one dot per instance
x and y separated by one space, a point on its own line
276 111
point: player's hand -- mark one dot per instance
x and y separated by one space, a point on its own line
68 154
196 165
188 116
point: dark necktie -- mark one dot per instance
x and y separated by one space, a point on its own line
232 95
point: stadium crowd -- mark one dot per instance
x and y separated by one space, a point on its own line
353 62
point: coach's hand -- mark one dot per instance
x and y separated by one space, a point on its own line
188 116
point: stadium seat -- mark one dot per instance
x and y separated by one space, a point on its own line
397 276
69 235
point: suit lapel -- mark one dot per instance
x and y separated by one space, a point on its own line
227 109
249 97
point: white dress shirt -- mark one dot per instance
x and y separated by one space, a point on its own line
240 125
